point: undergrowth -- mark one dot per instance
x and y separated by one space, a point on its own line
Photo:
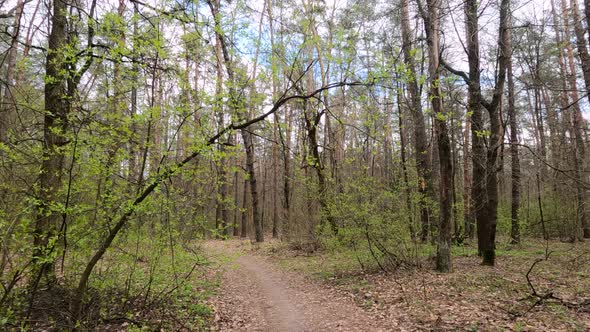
498 298
144 282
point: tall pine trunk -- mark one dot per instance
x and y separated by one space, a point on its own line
423 166
432 27
468 220
515 162
579 149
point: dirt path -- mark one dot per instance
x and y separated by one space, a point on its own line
256 296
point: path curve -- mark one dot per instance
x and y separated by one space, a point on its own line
257 296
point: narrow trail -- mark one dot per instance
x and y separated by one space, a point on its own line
276 300
256 296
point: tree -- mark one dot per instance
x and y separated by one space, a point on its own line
575 123
581 44
432 28
238 110
485 159
333 126
7 100
515 162
61 85
423 165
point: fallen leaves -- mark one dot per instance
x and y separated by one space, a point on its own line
472 298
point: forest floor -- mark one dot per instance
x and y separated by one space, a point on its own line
256 295
271 287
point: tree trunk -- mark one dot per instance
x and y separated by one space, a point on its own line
55 126
286 148
478 155
579 150
469 223
221 213
245 212
515 162
485 161
312 120
247 138
235 225
311 123
7 101
420 140
403 144
559 136
276 219
581 45
432 28
276 222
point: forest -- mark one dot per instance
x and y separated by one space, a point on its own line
309 165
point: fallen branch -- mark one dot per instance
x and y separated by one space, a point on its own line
549 296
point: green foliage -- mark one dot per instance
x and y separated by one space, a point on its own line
154 276
483 133
372 222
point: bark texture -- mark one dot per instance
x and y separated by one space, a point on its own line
420 141
432 27
515 161
55 126
485 158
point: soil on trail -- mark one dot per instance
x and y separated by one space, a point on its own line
256 296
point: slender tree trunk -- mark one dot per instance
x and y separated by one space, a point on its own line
285 136
276 222
478 155
581 44
245 212
432 27
133 149
221 214
552 123
468 220
29 37
7 102
263 171
420 141
408 191
579 150
276 219
286 148
457 234
559 131
312 121
540 129
515 162
236 225
55 127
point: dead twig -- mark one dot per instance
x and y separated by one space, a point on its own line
549 296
